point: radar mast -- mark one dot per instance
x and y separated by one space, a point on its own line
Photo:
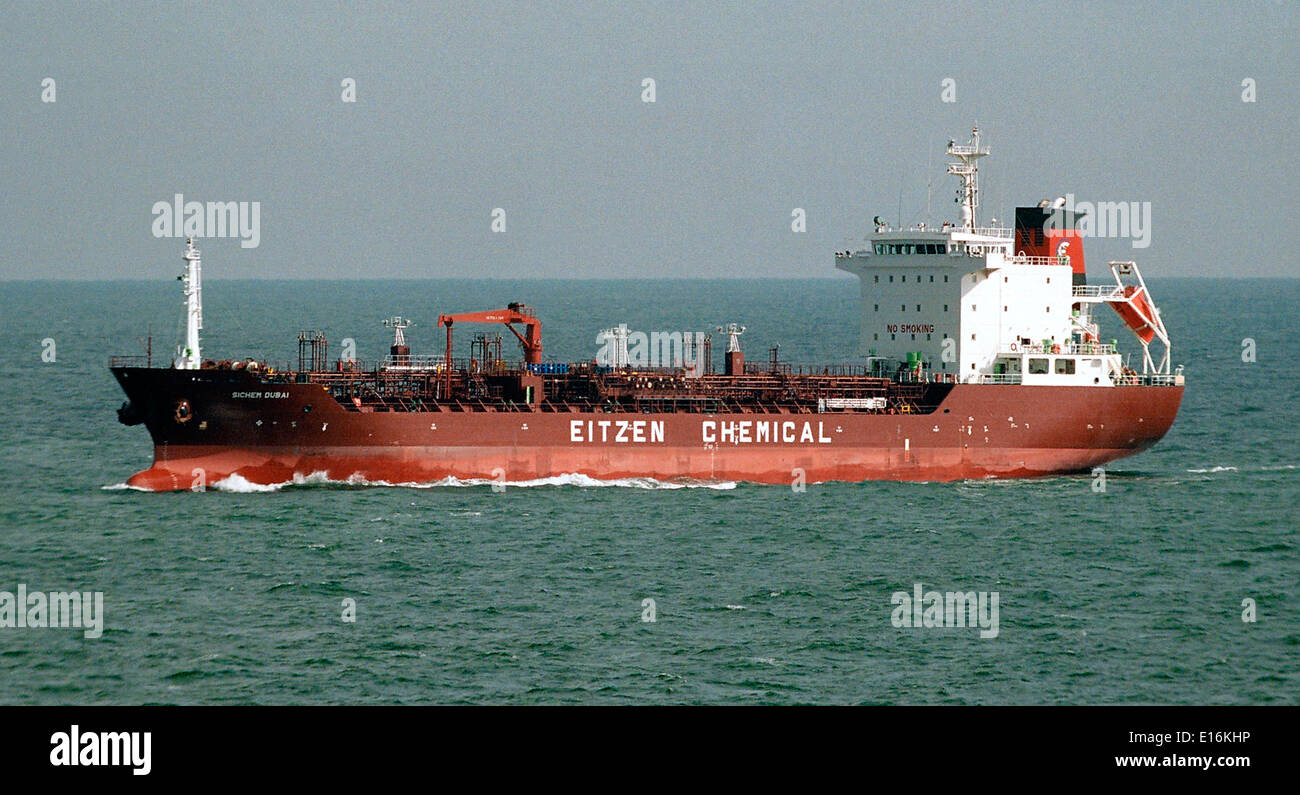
966 169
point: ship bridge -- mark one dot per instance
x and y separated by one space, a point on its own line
969 303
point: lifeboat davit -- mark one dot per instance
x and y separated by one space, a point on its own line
1137 312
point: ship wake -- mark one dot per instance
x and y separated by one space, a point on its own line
238 484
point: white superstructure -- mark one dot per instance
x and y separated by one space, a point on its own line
958 303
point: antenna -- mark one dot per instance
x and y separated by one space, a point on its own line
147 344
929 180
900 201
733 332
399 325
735 359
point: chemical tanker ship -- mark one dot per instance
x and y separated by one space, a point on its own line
983 360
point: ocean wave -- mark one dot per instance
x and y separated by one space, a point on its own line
586 481
238 484
1261 468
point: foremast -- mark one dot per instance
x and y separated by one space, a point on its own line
188 355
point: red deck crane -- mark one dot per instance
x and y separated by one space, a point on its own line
531 339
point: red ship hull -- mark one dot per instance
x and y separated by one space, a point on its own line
274 434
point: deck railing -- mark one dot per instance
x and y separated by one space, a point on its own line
1028 260
128 361
1151 379
416 362
1098 291
1074 349
1119 380
1000 232
1000 378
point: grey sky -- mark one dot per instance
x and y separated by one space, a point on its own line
760 108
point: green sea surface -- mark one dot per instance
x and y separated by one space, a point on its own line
537 595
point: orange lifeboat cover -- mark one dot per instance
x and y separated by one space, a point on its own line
1135 318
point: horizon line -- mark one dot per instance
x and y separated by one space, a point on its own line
835 277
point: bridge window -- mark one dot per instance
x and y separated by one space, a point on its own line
891 278
918 307
902 307
945 278
1038 367
877 278
880 248
875 307
1065 367
932 278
